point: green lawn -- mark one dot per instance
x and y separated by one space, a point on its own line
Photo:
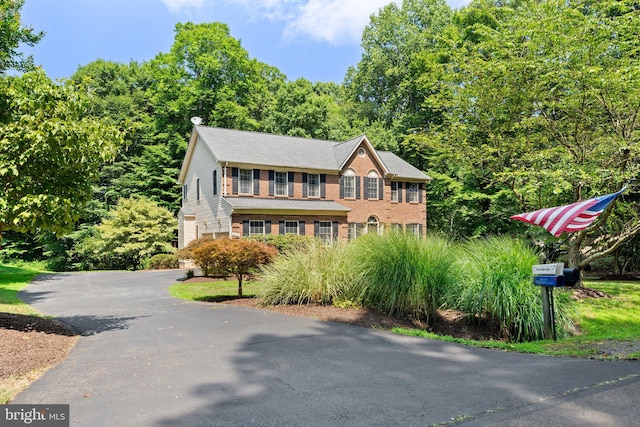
605 324
13 279
211 290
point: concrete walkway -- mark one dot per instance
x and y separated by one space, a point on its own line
147 359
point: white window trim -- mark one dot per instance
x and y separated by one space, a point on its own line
411 193
241 181
373 179
320 233
316 187
253 221
284 187
394 193
297 227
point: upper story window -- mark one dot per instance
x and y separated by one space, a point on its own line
372 188
412 192
349 179
313 182
394 192
245 180
185 192
281 184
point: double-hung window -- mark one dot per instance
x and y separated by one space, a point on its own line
256 227
313 182
245 179
412 192
413 229
349 180
291 227
325 231
372 190
281 184
394 191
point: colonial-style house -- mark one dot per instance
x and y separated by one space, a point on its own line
237 183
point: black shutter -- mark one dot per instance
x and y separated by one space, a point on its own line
305 184
316 228
406 191
234 180
334 229
301 227
342 187
400 192
291 179
357 179
267 227
198 189
420 193
420 229
245 227
323 185
366 188
272 177
256 182
215 182
281 227
381 189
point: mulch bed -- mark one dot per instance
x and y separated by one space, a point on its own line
28 343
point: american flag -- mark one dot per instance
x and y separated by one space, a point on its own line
573 217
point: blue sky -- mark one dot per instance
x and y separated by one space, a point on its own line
314 39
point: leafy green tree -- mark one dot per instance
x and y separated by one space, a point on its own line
12 35
388 83
543 111
135 230
50 153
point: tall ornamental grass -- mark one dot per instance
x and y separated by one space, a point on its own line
310 273
404 275
497 283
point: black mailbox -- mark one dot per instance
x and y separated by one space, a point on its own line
571 276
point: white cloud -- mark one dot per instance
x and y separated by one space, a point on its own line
333 21
178 5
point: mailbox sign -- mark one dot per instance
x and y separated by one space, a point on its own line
548 269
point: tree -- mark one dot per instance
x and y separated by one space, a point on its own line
50 153
135 230
230 256
12 34
544 106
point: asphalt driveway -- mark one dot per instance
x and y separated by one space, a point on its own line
147 359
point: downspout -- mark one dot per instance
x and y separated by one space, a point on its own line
224 187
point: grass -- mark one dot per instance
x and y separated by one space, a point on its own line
216 289
601 321
12 280
311 273
406 276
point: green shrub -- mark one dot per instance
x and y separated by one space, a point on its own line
283 242
311 273
162 262
404 275
498 283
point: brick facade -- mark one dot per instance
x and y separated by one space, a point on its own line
210 185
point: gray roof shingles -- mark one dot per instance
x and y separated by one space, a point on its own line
256 148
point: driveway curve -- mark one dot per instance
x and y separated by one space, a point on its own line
148 359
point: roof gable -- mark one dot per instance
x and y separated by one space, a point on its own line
263 149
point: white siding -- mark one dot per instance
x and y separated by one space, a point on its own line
209 215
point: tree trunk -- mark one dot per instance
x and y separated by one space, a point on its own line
239 285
